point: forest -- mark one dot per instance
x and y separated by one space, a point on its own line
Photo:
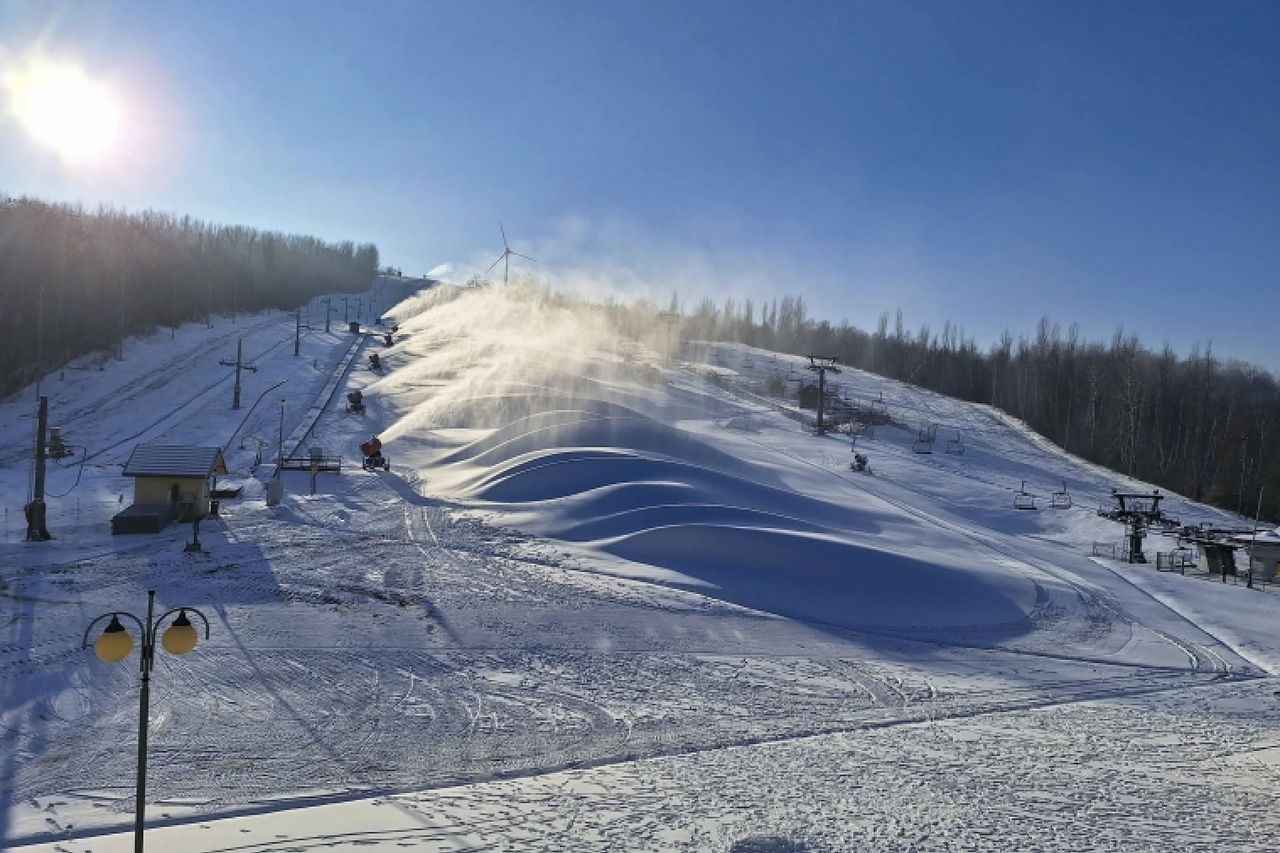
1195 424
74 281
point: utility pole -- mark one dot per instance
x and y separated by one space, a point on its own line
1257 519
822 365
120 320
37 530
328 311
40 340
297 331
280 442
239 365
345 317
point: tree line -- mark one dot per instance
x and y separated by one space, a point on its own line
1196 424
74 281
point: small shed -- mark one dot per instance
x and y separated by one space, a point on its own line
169 482
1262 550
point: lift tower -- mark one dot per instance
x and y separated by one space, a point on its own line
1136 511
822 365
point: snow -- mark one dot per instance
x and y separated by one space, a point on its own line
600 602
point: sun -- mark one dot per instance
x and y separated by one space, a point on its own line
65 110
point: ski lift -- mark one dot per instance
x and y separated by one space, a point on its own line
924 440
1062 499
880 409
1184 557
1024 499
955 446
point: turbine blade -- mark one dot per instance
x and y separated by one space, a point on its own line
500 259
504 236
526 257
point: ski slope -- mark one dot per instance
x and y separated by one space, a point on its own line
601 602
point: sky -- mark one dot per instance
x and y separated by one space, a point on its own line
987 163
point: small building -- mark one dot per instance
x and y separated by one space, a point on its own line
169 482
1262 551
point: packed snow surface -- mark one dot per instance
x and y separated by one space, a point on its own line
607 599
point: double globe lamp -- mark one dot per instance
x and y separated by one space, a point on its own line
114 645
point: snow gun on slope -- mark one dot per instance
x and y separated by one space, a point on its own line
375 363
355 403
373 458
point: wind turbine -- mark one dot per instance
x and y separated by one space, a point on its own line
505 257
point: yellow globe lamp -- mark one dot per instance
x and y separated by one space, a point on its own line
180 637
115 643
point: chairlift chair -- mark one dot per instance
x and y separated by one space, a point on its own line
924 441
1062 499
1024 499
880 409
1184 557
955 446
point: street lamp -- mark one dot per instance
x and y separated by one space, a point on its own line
114 645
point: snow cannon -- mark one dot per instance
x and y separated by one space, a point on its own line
860 464
387 340
355 402
373 458
375 363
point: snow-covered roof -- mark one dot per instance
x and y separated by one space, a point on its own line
162 460
1268 539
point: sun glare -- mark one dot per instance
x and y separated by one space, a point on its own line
64 109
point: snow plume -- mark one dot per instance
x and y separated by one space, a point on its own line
603 258
477 357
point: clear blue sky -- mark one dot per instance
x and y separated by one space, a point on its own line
987 162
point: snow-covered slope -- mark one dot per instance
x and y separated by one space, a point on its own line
583 558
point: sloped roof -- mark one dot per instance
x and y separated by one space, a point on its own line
161 460
1269 538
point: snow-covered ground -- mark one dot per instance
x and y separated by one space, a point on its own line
603 603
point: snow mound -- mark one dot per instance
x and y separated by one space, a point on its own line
821 578
646 492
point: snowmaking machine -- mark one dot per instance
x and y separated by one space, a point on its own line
373 458
860 464
375 363
387 340
355 403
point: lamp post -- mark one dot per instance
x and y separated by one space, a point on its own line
114 645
